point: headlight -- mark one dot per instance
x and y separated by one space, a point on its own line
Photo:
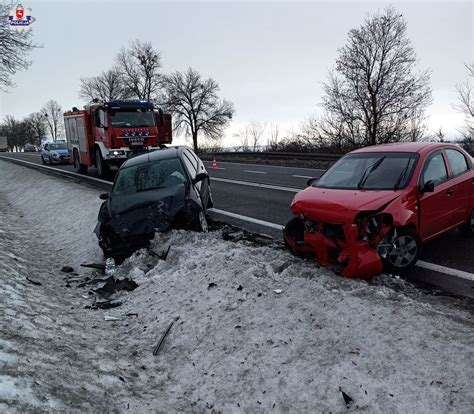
55 154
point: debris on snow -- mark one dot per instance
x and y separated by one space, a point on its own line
278 291
158 346
347 399
34 282
67 269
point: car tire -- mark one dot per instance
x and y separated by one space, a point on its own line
200 223
80 168
102 167
406 249
42 160
467 229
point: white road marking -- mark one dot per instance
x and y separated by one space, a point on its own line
302 176
216 168
255 172
446 270
250 184
246 218
265 165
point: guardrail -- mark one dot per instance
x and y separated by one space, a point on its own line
274 155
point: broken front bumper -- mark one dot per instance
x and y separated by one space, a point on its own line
337 245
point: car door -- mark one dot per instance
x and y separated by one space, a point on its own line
204 187
201 186
436 208
462 183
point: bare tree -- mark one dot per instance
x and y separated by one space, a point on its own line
256 130
196 106
108 86
374 91
139 67
37 124
465 105
243 137
54 118
14 48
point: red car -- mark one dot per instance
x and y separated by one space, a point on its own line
376 206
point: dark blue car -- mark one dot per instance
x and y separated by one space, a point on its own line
55 152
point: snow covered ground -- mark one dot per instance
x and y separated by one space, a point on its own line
238 345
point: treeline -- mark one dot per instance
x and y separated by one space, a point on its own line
374 94
194 101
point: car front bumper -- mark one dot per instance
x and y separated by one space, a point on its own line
353 258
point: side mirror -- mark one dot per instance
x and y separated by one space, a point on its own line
200 177
311 181
104 196
428 187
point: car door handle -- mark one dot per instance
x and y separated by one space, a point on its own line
449 191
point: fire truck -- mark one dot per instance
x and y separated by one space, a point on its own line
106 134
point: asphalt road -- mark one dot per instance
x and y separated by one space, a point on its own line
258 198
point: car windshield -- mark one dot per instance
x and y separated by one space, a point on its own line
370 171
57 146
149 176
132 118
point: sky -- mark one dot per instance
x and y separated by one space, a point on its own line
269 58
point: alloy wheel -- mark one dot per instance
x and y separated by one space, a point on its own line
404 251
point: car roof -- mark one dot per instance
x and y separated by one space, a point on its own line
161 154
419 147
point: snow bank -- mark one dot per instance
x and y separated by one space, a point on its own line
238 345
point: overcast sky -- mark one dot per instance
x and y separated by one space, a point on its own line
269 58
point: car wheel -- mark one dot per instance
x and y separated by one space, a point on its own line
468 228
42 160
405 251
201 223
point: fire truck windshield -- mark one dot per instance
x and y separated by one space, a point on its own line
132 118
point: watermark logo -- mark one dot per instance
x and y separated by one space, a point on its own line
20 19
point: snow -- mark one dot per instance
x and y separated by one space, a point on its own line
387 344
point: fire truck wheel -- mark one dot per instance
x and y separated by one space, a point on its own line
102 167
80 168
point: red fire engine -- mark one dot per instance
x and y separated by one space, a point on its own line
106 134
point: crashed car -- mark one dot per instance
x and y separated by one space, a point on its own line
154 192
377 206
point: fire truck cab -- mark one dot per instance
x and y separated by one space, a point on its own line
106 134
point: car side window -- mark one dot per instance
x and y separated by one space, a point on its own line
435 170
457 161
189 165
194 157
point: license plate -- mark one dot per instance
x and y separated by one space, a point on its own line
136 141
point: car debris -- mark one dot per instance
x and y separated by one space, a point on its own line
34 282
156 192
162 256
158 345
278 291
347 399
375 207
67 269
111 318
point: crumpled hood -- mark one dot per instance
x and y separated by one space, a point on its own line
339 206
145 212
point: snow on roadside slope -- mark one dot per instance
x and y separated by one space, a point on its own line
233 349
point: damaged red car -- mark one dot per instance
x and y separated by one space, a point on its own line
377 206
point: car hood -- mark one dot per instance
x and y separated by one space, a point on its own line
339 206
61 151
144 212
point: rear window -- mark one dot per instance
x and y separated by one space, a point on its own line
149 176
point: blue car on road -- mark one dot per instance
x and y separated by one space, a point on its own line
55 152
